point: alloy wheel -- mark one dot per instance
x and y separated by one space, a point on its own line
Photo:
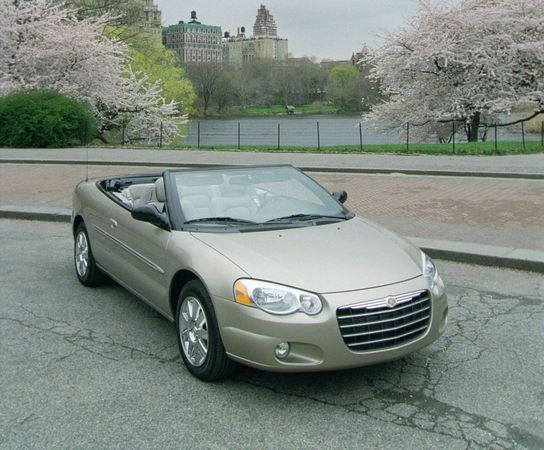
193 330
82 254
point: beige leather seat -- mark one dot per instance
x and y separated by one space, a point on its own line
149 193
196 201
238 207
140 194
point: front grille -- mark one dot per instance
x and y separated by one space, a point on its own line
375 325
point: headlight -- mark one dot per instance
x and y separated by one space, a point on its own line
275 298
431 273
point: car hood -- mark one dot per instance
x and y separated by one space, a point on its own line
343 256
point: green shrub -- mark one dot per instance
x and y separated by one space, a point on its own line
43 118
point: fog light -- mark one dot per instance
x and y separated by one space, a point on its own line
282 350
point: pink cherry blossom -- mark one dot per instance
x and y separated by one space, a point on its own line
43 45
464 61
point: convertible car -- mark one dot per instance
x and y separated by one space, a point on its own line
259 266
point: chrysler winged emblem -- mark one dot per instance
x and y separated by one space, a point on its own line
391 302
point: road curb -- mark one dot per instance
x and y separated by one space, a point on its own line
487 255
471 253
353 170
41 214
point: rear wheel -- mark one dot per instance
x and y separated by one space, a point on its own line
86 270
198 335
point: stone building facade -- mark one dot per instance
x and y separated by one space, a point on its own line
151 18
265 25
194 42
265 43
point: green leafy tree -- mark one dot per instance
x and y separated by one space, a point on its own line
344 87
124 16
44 118
299 83
370 86
151 57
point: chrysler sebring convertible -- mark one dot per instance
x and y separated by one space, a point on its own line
259 266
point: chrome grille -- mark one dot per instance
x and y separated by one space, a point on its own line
375 325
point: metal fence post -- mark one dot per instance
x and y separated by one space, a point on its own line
279 133
495 138
238 135
453 135
407 136
361 136
198 135
318 138
542 133
523 134
160 136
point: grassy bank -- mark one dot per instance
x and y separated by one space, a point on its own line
274 110
468 148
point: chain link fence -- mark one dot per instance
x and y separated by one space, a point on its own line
344 132
349 132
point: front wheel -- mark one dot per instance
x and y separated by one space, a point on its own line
86 269
198 335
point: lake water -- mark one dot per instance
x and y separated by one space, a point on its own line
303 131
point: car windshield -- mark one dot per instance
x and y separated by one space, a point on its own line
254 196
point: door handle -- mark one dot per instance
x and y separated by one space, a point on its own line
113 223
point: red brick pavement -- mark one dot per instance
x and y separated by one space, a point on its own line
501 212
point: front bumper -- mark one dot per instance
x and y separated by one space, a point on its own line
251 335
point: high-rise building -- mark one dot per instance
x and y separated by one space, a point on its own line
138 16
194 42
264 43
150 22
265 25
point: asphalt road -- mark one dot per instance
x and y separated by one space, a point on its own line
94 368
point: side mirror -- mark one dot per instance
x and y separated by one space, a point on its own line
340 196
150 214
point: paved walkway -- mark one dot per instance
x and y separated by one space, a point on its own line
486 211
510 165
490 209
482 216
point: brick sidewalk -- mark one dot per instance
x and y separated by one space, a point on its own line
500 212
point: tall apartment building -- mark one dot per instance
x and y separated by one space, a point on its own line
151 18
194 42
265 25
139 16
264 43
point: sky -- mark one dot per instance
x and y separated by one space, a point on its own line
320 28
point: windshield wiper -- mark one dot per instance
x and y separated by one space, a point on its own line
222 219
306 217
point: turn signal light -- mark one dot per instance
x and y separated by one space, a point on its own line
240 294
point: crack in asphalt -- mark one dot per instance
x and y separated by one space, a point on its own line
406 396
439 417
17 423
86 339
419 408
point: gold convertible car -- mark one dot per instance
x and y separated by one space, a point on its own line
258 265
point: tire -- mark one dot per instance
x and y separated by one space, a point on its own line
197 331
87 271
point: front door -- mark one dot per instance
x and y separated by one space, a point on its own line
140 252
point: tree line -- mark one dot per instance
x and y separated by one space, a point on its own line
451 67
266 82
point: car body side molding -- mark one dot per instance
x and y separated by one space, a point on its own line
130 250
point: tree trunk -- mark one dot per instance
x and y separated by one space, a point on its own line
101 138
473 127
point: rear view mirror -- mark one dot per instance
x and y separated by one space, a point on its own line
340 196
